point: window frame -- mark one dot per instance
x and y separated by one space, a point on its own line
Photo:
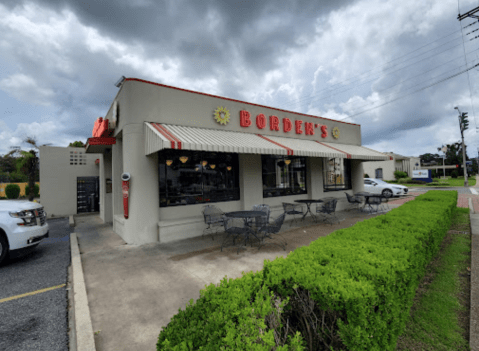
207 188
346 171
297 162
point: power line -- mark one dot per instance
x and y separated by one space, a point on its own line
401 97
327 96
328 93
465 56
377 67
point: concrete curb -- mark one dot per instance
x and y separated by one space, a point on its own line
72 340
71 221
83 327
474 316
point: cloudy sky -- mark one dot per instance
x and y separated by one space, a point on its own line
392 66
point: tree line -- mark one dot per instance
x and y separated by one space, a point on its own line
453 157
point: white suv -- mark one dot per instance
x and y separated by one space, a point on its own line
23 225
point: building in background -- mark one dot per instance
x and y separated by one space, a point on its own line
385 169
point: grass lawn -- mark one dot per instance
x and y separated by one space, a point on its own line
450 182
439 318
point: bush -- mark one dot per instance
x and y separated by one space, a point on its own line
12 191
399 174
36 190
454 174
433 173
366 175
350 290
435 180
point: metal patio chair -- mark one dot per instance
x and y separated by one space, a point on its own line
328 210
267 230
214 218
235 228
355 201
292 209
374 201
260 221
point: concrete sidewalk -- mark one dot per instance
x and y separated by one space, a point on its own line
133 291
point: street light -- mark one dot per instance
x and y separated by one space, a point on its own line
463 125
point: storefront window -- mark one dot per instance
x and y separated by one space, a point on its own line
193 177
337 174
283 175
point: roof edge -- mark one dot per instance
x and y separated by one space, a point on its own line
234 100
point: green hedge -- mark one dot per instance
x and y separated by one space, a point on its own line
350 290
36 190
12 191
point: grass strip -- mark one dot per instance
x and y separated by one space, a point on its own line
439 316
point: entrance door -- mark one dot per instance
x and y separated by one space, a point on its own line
379 173
88 194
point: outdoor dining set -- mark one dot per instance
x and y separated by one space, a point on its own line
247 226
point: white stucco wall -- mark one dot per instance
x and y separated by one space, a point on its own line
140 102
59 179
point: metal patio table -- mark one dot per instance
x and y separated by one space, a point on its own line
246 215
367 196
308 203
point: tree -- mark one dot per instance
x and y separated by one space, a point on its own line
28 163
454 155
428 158
77 144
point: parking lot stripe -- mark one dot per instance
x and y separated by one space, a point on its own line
31 293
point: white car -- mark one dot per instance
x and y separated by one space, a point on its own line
378 186
23 225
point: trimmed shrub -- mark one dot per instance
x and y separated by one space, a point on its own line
350 290
36 190
399 175
454 174
12 191
366 175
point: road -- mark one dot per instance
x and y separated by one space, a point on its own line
39 320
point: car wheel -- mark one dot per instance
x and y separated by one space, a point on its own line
387 193
3 247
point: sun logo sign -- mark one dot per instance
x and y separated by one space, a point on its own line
335 132
222 115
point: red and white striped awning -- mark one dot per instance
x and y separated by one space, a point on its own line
159 136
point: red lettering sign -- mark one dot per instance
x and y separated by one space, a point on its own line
274 123
309 128
324 129
297 125
260 121
245 118
287 125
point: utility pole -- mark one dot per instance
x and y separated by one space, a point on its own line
444 149
463 124
469 14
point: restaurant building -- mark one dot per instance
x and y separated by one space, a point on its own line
182 149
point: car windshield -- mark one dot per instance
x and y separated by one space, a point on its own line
379 181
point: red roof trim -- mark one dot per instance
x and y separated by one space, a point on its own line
243 102
347 155
101 141
290 151
178 141
162 132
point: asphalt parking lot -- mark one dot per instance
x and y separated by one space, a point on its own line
33 296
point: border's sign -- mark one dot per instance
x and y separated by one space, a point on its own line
420 173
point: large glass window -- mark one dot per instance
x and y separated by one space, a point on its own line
192 177
283 175
337 174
